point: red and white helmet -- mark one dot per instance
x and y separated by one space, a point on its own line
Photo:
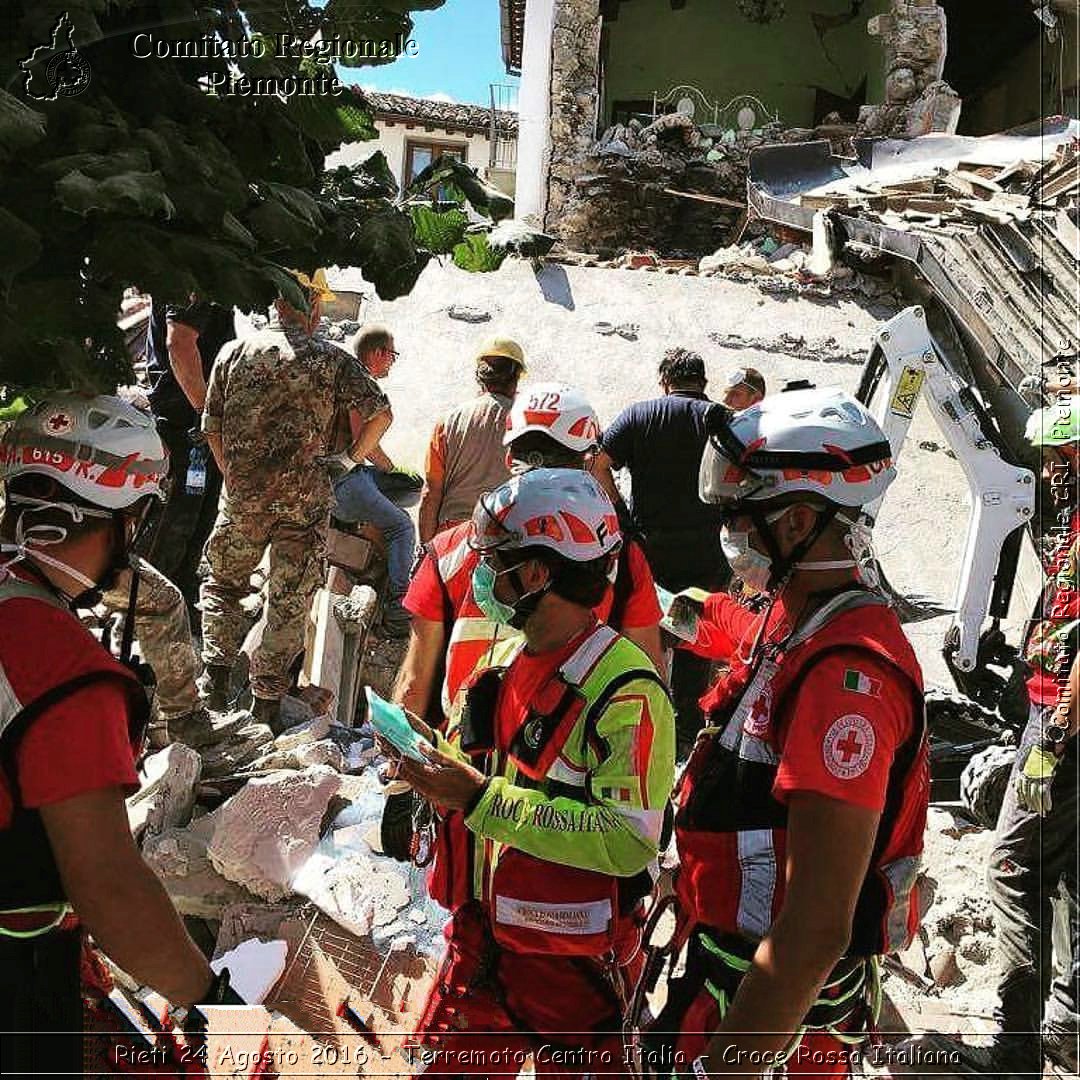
102 449
559 411
565 510
821 442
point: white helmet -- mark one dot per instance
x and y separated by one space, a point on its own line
559 411
102 449
821 442
565 510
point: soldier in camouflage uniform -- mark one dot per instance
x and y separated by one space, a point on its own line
163 631
271 410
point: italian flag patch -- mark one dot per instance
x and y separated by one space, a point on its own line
859 683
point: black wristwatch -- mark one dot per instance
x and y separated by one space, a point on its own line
1055 737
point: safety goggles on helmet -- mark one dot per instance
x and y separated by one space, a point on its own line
818 441
564 510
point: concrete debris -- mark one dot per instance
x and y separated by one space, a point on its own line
825 349
179 857
944 969
167 795
354 889
266 832
627 331
789 268
464 313
306 731
259 920
243 747
254 968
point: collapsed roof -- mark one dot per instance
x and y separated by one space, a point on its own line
986 226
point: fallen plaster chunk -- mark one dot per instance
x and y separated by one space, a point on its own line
254 968
308 730
179 858
354 890
270 828
167 795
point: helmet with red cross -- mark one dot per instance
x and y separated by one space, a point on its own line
101 449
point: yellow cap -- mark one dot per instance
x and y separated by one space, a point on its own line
502 346
315 284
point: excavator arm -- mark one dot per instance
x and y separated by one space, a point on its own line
905 365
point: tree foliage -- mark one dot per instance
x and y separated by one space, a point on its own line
147 178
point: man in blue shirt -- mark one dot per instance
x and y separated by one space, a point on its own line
660 442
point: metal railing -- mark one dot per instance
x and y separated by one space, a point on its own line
503 139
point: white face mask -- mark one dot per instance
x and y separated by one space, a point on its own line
756 569
747 563
29 540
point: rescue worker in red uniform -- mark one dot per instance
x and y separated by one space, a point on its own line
553 775
79 474
800 815
551 426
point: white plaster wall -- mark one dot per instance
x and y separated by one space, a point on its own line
392 139
534 110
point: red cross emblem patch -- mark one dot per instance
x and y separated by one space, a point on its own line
59 423
848 747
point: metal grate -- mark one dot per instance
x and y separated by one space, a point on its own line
330 965
503 133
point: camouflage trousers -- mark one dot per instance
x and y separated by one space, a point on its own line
163 631
235 548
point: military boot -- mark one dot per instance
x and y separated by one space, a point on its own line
214 687
268 711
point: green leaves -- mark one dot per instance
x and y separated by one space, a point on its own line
476 255
385 248
145 179
484 199
126 193
438 232
20 126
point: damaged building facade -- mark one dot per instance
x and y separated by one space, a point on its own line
637 116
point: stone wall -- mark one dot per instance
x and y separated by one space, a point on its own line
917 101
596 201
575 103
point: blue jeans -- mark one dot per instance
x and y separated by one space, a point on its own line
358 498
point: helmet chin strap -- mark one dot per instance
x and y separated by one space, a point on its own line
784 567
30 539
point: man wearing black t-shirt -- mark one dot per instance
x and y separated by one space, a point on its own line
181 347
660 442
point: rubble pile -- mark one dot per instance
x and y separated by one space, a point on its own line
971 194
670 185
952 958
280 829
790 269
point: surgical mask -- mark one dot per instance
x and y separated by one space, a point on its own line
747 563
756 569
516 614
30 539
483 587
